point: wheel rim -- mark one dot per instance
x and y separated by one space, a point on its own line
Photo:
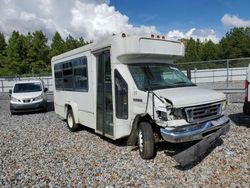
140 141
70 120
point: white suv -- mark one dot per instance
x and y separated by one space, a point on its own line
28 96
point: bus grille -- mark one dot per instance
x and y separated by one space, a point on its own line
203 112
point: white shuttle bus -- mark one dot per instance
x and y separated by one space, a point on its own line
128 86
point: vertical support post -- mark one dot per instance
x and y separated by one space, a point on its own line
231 75
227 72
47 83
213 76
195 70
2 85
189 73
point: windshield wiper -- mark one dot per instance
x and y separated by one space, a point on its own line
183 84
159 87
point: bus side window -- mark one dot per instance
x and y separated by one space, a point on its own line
58 76
81 74
121 96
68 76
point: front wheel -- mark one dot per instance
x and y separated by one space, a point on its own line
146 141
71 121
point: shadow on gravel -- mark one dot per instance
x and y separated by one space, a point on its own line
190 159
182 150
50 106
122 142
240 119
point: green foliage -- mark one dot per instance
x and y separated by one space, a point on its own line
3 44
37 45
236 43
31 53
72 43
16 49
58 45
209 51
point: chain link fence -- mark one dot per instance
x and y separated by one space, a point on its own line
225 75
228 71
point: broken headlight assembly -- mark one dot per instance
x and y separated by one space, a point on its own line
178 113
162 115
165 115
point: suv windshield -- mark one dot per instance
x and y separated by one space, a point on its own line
27 87
158 76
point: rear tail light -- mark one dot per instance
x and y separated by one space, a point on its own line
246 90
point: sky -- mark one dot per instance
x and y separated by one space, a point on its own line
96 19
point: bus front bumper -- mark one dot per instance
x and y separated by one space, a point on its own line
219 126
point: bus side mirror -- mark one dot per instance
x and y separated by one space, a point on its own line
45 89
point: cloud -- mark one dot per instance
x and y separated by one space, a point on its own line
91 19
102 20
234 21
202 34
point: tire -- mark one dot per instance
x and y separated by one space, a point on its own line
146 141
71 121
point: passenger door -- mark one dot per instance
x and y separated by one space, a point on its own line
104 95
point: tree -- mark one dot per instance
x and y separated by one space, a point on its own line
235 44
71 43
57 46
209 51
16 49
17 54
199 45
192 53
3 44
38 51
82 42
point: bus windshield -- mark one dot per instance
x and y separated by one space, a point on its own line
158 76
27 87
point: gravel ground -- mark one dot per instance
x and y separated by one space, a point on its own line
38 150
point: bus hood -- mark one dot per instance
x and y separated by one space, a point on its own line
190 96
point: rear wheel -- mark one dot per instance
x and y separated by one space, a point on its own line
71 121
146 141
